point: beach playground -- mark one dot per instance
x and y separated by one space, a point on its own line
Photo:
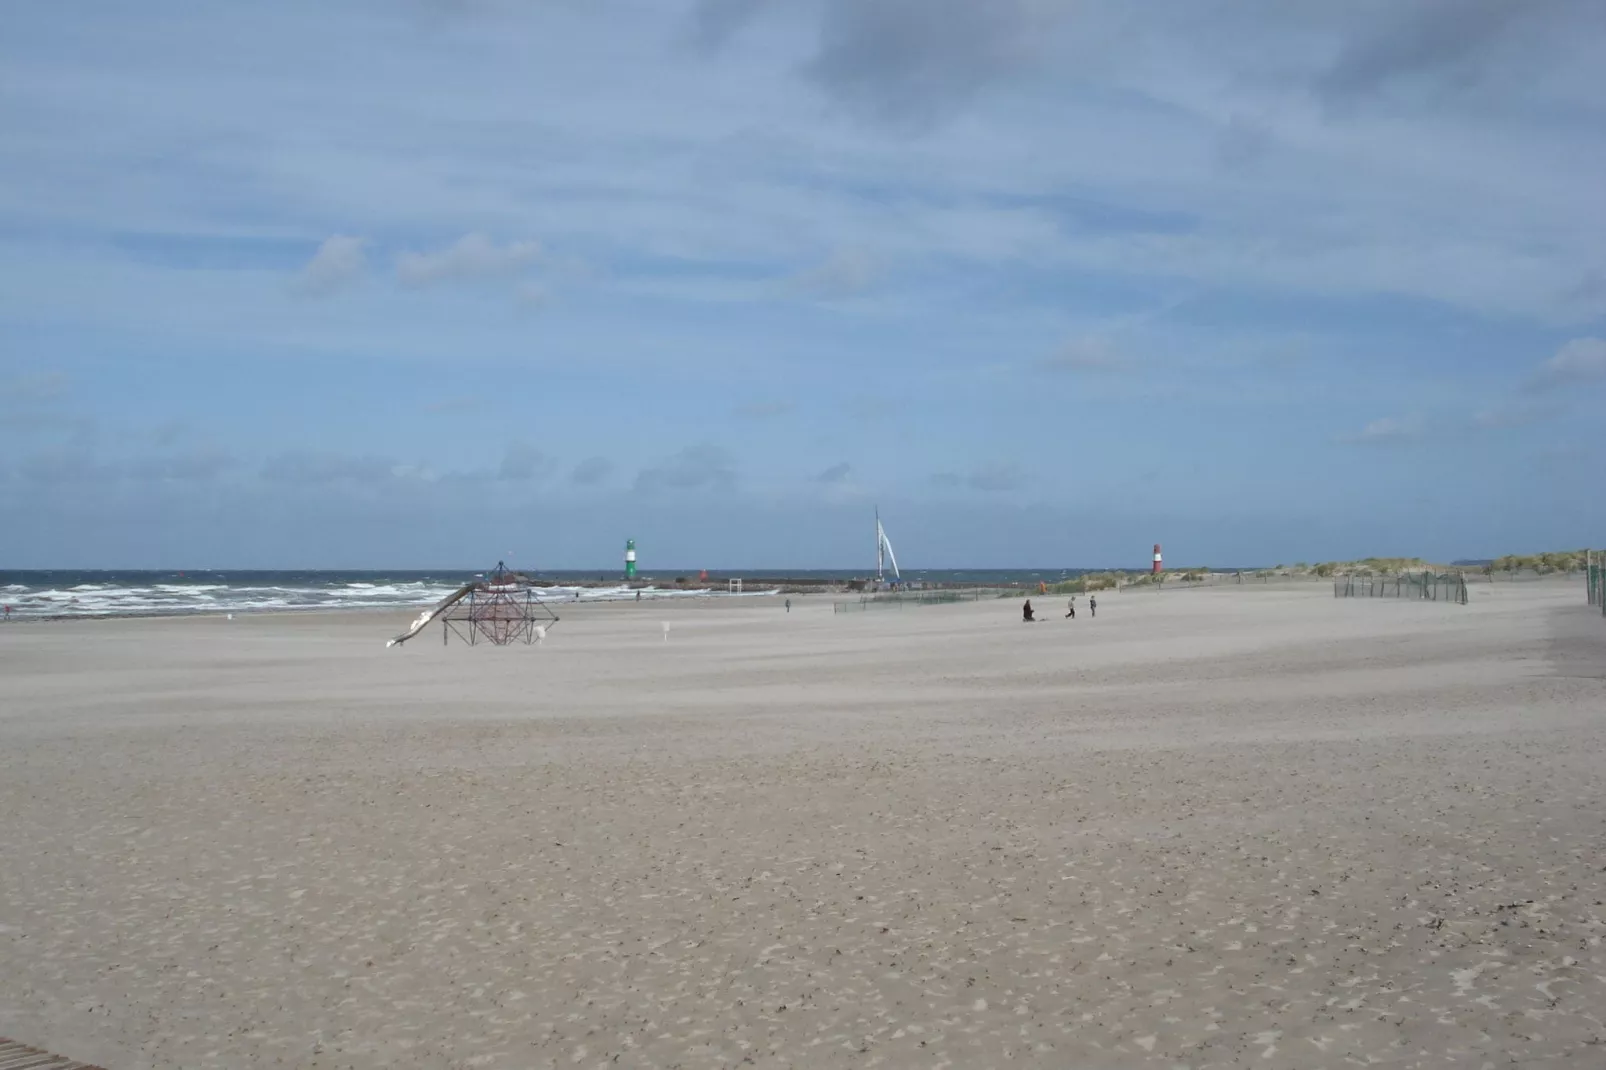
1209 828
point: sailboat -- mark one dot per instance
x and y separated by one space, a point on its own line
883 554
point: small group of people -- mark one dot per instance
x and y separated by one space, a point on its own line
1092 609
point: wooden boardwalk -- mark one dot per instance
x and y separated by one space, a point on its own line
14 1056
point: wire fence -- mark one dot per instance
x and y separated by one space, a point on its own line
1421 586
1595 578
900 599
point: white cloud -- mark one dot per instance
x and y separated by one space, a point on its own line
763 410
78 465
199 464
837 473
1087 355
845 273
35 402
912 63
1580 361
1514 414
314 468
1492 210
693 468
522 462
473 256
423 473
992 478
33 388
1387 429
339 262
1436 46
591 471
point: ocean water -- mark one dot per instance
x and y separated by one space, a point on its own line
92 593
102 593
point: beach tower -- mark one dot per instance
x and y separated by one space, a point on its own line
1158 563
630 559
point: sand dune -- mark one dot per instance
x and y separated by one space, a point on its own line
1207 829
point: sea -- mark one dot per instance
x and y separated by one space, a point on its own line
127 593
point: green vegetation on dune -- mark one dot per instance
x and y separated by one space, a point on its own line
1093 581
1392 564
1543 564
1511 564
1380 566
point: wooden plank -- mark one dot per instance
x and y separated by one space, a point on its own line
16 1056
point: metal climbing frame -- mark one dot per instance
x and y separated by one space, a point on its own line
502 609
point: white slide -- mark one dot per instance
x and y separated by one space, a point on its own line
430 614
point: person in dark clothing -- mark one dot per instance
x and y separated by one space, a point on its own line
1093 606
1026 612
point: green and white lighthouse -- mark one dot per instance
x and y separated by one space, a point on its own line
630 559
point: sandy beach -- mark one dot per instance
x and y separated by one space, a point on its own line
1207 829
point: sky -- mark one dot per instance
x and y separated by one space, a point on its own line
428 283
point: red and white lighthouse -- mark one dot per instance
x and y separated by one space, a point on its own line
1158 564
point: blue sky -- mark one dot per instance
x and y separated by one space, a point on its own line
397 283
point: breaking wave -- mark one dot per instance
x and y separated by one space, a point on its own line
167 594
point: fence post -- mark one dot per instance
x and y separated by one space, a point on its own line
1600 581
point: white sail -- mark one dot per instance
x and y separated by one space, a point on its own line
883 551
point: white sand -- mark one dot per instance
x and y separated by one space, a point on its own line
1209 828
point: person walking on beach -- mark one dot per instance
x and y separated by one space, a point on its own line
1093 605
1072 607
789 605
1026 612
